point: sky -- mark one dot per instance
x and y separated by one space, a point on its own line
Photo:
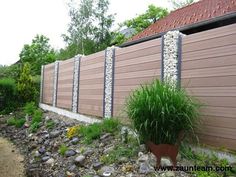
21 21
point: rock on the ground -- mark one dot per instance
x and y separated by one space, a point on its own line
80 160
70 152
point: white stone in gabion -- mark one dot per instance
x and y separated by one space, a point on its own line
76 83
170 57
56 67
108 82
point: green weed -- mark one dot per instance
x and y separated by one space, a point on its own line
62 150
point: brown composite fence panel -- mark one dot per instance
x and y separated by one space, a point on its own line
134 65
65 84
209 73
91 84
48 83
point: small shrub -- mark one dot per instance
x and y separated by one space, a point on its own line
119 151
73 131
29 108
11 121
34 127
25 85
18 123
110 125
160 112
50 124
91 132
37 116
95 130
62 150
8 94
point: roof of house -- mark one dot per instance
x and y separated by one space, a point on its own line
202 10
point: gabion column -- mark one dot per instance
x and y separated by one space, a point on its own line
171 57
108 82
75 95
41 84
55 83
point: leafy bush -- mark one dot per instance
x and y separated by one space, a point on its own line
95 130
29 108
37 116
25 85
36 119
34 127
110 125
50 124
160 112
8 95
16 122
91 132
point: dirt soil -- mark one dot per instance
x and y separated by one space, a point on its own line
11 162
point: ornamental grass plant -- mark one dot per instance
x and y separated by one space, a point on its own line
160 112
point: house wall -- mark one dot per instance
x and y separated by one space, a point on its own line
208 72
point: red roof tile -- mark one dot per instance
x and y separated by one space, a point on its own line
196 12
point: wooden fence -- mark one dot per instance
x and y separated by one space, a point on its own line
208 72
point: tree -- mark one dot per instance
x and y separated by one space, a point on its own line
102 32
144 20
181 3
25 85
38 53
89 29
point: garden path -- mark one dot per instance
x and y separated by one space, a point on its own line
11 162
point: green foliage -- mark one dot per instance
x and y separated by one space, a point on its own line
37 116
17 122
62 149
10 71
144 20
34 127
118 38
89 29
202 159
95 130
29 108
90 132
38 53
160 112
118 152
50 124
25 85
36 119
8 95
110 125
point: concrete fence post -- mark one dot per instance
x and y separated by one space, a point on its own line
55 83
41 84
76 77
171 57
108 82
